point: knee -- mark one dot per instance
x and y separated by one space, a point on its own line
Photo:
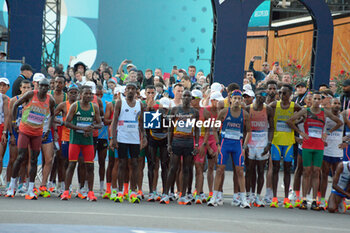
90 167
276 168
306 171
134 163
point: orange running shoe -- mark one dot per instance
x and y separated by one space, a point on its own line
91 196
65 195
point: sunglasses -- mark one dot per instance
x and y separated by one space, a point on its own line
263 94
265 65
193 97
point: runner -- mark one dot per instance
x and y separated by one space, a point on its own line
340 188
333 151
313 144
261 119
128 115
83 117
40 105
62 110
282 143
25 86
4 117
235 123
180 143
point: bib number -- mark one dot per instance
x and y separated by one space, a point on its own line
82 124
283 127
233 133
35 118
315 132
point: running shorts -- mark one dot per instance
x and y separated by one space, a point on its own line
233 148
101 144
278 151
65 149
312 157
48 139
331 160
346 156
255 153
86 150
24 140
211 144
125 149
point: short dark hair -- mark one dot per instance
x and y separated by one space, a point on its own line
178 85
61 76
82 88
107 72
151 87
187 78
149 70
273 82
288 86
24 81
192 66
327 92
158 85
232 87
323 85
316 93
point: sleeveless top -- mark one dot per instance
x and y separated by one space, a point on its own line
95 132
232 127
103 132
19 113
184 125
82 118
34 115
259 126
313 126
65 130
334 139
347 129
212 118
283 135
344 177
128 123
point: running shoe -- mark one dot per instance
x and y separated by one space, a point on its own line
140 195
50 186
157 196
178 195
31 195
113 195
151 197
126 194
348 207
220 201
303 205
182 200
236 201
297 203
245 204
65 195
10 192
171 197
44 192
342 206
198 200
258 202
287 204
134 198
91 196
267 200
102 192
36 191
212 202
323 204
315 206
274 203
210 196
106 195
119 198
83 194
190 197
203 197
195 194
292 196
22 191
165 199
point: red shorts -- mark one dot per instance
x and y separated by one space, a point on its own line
86 150
211 144
24 140
1 128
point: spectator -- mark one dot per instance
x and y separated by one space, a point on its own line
96 78
80 66
286 78
88 75
301 92
248 95
199 74
2 56
111 84
140 77
333 88
186 82
79 78
148 79
259 75
51 72
192 73
322 87
345 98
26 73
159 91
202 80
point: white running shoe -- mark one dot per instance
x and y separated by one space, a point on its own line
203 197
292 196
212 202
198 200
172 197
190 197
220 201
245 205
236 201
258 202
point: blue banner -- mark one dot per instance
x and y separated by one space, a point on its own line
261 16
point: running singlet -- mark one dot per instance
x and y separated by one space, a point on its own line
201 118
232 128
183 124
52 93
65 130
19 113
283 135
162 133
128 123
82 118
259 126
344 177
95 132
313 126
34 114
2 116
347 129
334 139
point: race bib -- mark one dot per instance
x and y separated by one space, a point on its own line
315 132
35 118
60 119
233 133
259 136
82 124
130 126
187 128
282 126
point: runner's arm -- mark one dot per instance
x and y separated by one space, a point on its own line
196 130
247 129
335 186
335 119
270 117
52 114
171 128
220 118
108 114
114 124
98 124
297 115
6 113
346 120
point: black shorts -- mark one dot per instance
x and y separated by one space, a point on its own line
101 144
124 150
157 143
183 150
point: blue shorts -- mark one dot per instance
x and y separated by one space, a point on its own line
346 156
14 132
282 151
233 148
339 194
300 151
48 139
331 160
65 147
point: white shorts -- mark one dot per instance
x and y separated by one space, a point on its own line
255 153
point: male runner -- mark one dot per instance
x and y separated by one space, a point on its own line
40 105
313 144
4 117
235 123
282 143
25 86
62 110
180 143
83 117
261 120
340 188
333 151
128 117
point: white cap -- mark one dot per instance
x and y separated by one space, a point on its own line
165 102
37 77
122 89
92 85
5 80
247 87
143 93
216 95
203 77
197 93
117 90
249 93
216 87
128 65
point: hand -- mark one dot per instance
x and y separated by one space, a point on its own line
219 148
195 151
324 137
124 62
14 127
304 135
4 139
267 149
143 143
202 150
89 128
342 145
113 144
55 136
299 140
253 59
246 150
325 143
